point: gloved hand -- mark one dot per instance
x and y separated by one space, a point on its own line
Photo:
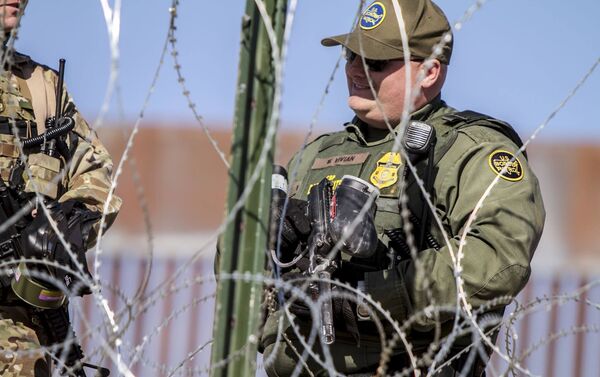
40 241
297 306
344 310
295 228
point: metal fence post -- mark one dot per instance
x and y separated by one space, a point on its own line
243 244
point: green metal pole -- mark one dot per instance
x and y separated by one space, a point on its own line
244 243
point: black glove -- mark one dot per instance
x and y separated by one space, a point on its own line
296 226
39 241
344 310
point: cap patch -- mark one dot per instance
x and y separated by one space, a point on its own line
373 16
500 159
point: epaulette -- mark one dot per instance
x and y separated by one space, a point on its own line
331 139
309 144
19 58
22 59
321 136
469 118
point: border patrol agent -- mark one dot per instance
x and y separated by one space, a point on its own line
82 179
469 151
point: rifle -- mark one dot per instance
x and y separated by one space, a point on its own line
59 329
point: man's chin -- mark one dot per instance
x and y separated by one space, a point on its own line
360 104
371 118
9 24
361 97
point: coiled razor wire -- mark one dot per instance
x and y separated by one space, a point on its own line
466 319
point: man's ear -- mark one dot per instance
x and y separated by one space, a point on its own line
432 73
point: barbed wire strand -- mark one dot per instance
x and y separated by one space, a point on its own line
463 310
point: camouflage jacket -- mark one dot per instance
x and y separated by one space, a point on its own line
27 96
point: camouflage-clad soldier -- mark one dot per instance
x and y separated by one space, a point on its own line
75 182
470 151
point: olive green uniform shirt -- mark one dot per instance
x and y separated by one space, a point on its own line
499 245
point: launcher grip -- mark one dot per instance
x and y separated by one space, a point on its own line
319 208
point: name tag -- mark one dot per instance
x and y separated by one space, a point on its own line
347 159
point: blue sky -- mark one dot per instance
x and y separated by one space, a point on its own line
515 59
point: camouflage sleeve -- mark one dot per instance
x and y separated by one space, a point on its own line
88 175
499 244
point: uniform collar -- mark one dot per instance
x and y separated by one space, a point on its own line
426 111
18 62
15 58
358 130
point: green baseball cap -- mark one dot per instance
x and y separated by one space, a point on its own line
377 33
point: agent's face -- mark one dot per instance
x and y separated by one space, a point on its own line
389 84
9 13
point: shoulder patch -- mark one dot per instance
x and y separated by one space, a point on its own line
506 165
373 16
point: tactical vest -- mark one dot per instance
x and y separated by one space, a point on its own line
17 115
333 155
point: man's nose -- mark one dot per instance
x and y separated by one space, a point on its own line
355 67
